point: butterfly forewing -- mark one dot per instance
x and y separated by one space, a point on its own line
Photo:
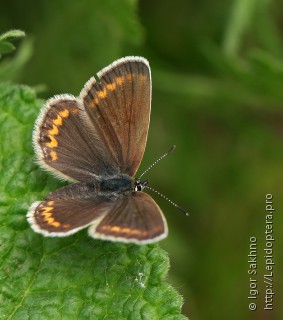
118 108
65 145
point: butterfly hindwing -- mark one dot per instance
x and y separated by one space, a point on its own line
62 217
135 218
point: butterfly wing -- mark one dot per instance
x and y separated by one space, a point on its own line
66 146
135 218
63 217
102 133
118 108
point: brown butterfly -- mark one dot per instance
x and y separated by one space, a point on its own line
97 141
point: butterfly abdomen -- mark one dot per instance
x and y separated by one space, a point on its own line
79 190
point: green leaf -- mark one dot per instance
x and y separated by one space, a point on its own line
12 34
11 68
65 278
6 47
241 16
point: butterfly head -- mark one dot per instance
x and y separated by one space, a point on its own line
140 185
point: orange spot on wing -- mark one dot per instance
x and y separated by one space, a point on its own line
111 86
129 77
142 77
65 113
56 224
53 155
119 230
102 94
75 111
46 210
54 130
120 81
58 121
94 103
52 222
46 214
53 143
49 220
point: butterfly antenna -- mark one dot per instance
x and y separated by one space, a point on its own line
159 159
167 199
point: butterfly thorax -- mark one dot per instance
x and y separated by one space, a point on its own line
118 184
122 184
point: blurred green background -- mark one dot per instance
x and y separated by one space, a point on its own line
217 70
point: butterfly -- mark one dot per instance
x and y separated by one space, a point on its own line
97 141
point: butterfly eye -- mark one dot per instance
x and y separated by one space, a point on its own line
138 186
